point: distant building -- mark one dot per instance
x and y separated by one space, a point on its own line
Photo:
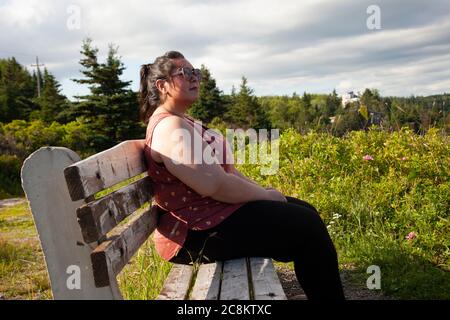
348 98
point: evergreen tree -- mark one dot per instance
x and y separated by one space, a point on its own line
310 111
295 113
210 103
16 91
246 111
111 109
51 102
333 102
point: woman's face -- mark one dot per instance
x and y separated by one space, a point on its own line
182 91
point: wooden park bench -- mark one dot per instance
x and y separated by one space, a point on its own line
82 235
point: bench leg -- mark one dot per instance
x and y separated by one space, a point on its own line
54 213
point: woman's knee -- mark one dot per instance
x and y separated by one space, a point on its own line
301 203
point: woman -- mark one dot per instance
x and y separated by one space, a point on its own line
212 212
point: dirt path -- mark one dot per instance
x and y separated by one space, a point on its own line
11 202
352 292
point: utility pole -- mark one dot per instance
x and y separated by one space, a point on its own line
37 65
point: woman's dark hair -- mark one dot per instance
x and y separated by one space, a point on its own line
149 98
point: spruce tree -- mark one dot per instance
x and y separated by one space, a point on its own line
111 109
210 103
51 102
16 91
332 104
246 111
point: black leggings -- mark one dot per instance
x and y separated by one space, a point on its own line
291 231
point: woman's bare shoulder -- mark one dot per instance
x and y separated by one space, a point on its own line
166 127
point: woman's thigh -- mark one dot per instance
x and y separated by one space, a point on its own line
259 228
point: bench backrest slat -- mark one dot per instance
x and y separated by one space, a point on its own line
235 280
109 258
100 216
105 169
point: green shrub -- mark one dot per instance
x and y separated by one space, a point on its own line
373 189
10 185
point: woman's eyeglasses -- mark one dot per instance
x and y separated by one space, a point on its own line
188 73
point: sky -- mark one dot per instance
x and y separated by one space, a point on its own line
402 47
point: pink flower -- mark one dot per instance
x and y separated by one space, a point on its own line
367 157
404 158
410 236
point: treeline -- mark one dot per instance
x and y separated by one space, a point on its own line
325 113
318 112
108 114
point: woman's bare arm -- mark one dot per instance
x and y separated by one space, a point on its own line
240 175
206 179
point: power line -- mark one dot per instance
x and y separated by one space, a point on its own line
37 65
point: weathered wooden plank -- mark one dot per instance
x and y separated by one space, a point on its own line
207 283
66 255
109 258
105 169
235 280
99 217
266 284
177 283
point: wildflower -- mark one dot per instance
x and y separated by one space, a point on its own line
410 236
404 158
336 216
367 157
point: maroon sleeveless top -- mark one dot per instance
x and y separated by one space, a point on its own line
186 208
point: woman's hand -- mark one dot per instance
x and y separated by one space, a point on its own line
275 195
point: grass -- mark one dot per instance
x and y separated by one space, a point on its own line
23 273
143 277
22 269
369 206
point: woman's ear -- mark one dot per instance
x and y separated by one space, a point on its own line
160 85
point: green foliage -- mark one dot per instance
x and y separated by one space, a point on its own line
143 278
10 176
22 137
19 138
110 110
370 206
348 120
16 91
245 110
52 104
210 103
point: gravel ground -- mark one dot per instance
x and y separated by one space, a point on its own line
294 291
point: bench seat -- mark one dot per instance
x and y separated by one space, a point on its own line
239 279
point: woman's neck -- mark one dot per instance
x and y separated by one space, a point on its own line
176 109
171 110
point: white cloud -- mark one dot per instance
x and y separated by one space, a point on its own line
311 46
